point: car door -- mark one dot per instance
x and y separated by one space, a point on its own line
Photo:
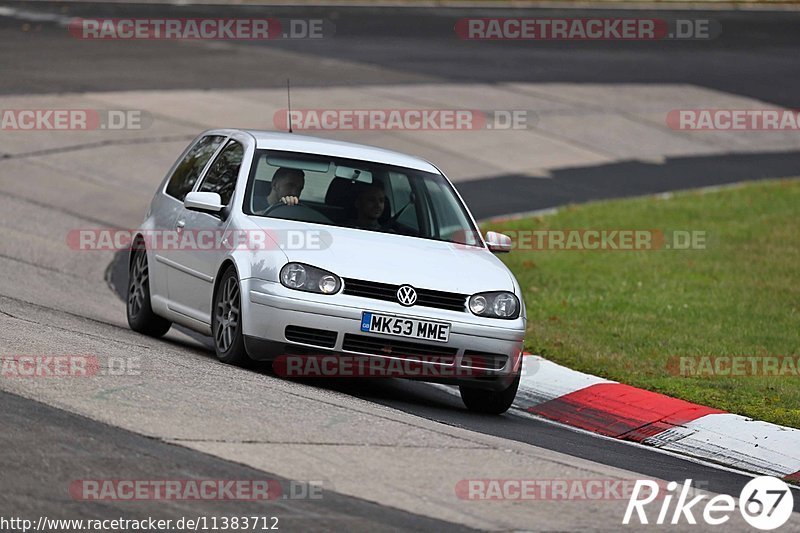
169 205
202 247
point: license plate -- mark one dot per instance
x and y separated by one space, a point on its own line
405 327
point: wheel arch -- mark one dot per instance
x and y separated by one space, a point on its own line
136 242
224 266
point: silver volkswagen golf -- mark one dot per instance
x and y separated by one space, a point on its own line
280 245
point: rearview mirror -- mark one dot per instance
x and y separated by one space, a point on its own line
497 242
207 202
354 174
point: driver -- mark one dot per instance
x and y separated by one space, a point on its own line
287 184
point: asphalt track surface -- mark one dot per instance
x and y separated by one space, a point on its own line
430 402
62 438
755 56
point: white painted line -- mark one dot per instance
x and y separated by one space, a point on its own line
737 441
725 441
550 211
35 16
663 451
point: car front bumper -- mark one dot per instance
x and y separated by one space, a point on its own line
269 307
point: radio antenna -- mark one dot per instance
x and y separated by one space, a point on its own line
289 101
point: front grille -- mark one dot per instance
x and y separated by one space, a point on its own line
486 361
317 337
388 293
400 349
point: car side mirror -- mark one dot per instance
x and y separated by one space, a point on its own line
207 202
498 242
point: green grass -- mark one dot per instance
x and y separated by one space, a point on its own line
623 314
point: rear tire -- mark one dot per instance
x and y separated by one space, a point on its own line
490 402
226 321
141 317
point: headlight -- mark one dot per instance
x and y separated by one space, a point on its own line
501 304
294 276
310 279
328 284
477 304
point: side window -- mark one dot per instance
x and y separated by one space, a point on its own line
189 169
221 176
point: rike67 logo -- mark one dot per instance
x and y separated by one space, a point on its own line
766 503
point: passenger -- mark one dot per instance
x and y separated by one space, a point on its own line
369 203
287 184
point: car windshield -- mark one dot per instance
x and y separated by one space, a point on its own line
357 194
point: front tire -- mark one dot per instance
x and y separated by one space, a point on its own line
490 402
141 317
226 321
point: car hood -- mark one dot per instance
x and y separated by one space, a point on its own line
389 258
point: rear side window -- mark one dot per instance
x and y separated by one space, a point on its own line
190 167
221 176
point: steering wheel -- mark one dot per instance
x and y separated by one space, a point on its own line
300 212
273 207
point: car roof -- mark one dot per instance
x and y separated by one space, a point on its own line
292 142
